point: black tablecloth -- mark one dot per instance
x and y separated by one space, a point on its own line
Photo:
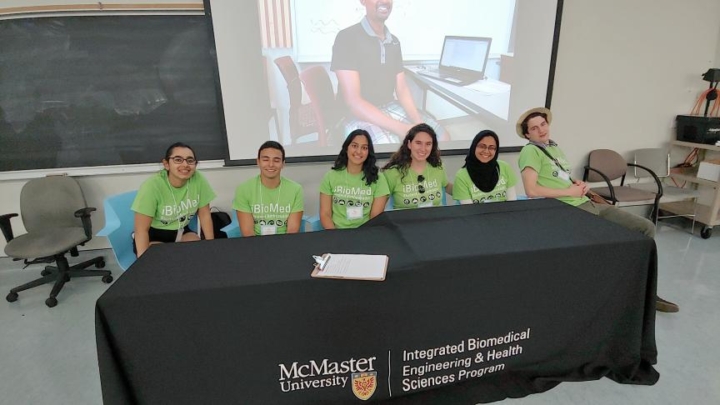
480 303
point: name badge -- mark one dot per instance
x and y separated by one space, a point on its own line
268 229
353 213
563 175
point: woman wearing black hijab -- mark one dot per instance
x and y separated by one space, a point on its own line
484 178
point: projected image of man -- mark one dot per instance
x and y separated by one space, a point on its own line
367 59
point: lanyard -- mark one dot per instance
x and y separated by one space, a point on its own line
184 195
555 161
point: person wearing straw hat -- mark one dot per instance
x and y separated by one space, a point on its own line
546 173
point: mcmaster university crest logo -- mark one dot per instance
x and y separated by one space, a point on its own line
364 384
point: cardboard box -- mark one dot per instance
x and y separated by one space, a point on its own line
709 170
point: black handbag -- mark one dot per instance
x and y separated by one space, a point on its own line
220 220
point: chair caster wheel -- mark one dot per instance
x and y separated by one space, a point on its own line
12 297
706 232
100 264
45 272
51 302
67 278
107 279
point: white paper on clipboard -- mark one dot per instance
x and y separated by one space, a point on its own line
352 266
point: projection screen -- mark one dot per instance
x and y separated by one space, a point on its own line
306 72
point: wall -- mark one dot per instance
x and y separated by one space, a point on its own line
624 70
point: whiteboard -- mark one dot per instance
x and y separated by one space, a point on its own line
420 25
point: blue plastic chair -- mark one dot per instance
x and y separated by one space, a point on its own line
119 226
390 205
313 222
194 223
233 230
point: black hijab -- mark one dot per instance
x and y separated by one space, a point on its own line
484 175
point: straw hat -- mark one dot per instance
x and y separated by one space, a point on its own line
523 117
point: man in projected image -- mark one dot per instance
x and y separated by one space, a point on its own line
367 60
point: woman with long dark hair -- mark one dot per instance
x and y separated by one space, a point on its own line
484 178
354 190
167 201
415 175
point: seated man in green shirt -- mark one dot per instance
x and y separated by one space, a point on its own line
546 173
269 204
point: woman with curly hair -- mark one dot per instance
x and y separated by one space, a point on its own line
415 174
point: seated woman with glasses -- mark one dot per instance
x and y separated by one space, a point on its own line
167 201
354 191
484 178
415 174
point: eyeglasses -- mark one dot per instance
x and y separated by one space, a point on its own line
179 159
421 188
487 148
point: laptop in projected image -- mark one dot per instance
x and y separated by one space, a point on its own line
462 61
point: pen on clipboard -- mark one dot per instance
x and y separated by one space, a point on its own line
322 262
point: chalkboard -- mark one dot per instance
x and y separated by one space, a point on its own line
108 90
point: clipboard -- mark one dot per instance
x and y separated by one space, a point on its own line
351 266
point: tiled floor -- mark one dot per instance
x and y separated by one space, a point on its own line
47 356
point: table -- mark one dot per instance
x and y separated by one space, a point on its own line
489 107
480 303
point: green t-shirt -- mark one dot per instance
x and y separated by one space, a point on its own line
170 207
549 174
465 189
349 192
269 206
406 191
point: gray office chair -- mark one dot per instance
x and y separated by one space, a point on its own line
683 199
605 165
57 221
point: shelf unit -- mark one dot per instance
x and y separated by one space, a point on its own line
708 215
